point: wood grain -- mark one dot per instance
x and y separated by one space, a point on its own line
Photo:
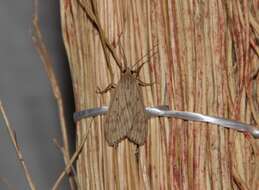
207 58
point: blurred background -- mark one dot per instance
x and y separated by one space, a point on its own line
27 97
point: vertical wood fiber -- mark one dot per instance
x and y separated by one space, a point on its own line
207 63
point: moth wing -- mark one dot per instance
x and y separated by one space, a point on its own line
117 122
138 131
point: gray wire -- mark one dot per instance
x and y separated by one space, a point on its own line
163 111
93 112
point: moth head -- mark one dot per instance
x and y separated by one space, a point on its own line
135 69
133 72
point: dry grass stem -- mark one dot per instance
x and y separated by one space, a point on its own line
48 65
6 182
70 163
61 149
12 135
93 16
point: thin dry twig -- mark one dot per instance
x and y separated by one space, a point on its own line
70 163
61 149
94 19
47 62
6 182
103 42
11 132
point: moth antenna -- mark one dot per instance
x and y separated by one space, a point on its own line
146 55
137 70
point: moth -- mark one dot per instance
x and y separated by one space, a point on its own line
126 117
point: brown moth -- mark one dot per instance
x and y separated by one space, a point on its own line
126 117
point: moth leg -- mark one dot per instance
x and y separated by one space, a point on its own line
137 153
141 83
108 88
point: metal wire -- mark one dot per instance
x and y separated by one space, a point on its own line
163 111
